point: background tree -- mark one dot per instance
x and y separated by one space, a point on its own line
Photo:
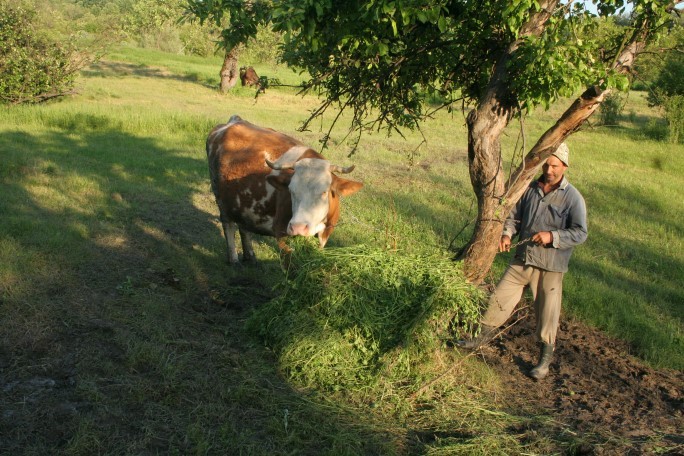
239 20
651 62
154 24
667 88
668 93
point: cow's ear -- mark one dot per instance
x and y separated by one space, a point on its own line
345 187
280 181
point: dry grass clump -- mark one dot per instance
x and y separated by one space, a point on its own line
343 313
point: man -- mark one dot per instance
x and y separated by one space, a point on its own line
550 220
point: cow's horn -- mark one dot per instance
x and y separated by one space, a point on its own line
279 167
339 169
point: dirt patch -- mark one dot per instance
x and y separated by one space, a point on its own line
601 399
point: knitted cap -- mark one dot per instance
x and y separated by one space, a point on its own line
562 154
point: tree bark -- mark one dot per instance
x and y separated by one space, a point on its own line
485 125
230 72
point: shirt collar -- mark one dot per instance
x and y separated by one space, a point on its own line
562 186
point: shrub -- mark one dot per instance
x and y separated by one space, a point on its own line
670 81
264 48
674 114
611 109
198 39
165 38
669 95
669 91
33 68
163 26
656 129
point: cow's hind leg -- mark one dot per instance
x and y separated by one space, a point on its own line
229 230
248 255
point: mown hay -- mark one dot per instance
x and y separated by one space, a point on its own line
346 315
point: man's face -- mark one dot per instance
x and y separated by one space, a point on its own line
553 170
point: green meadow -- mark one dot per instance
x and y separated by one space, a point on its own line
114 281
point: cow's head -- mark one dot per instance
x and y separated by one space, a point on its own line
315 192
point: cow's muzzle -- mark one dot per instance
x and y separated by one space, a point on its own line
304 229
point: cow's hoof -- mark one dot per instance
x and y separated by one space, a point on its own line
249 261
234 262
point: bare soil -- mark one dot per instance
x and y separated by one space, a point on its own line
603 400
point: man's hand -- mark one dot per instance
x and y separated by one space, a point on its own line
505 243
542 238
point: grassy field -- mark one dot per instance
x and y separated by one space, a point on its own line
119 314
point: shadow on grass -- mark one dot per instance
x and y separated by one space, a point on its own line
636 127
122 327
109 69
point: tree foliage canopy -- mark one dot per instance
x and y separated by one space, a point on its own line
384 58
239 20
394 54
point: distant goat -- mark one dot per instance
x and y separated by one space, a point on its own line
248 76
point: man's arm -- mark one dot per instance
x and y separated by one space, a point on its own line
505 243
512 223
576 231
511 227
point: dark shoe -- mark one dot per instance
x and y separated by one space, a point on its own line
541 370
487 333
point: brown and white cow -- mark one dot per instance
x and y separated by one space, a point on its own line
268 183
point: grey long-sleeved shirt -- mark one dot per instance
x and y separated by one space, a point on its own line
562 212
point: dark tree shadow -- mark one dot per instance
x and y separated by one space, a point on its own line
110 69
137 343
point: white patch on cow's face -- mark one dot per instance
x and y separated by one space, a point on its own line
310 191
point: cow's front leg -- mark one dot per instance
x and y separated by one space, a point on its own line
248 255
229 230
324 235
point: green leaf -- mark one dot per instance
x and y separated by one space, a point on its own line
441 24
383 49
622 83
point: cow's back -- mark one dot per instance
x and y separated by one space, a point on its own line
239 148
237 154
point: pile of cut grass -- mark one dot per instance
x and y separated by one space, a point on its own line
346 317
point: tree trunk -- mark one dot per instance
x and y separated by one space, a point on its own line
230 72
485 125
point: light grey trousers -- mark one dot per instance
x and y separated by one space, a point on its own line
547 291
